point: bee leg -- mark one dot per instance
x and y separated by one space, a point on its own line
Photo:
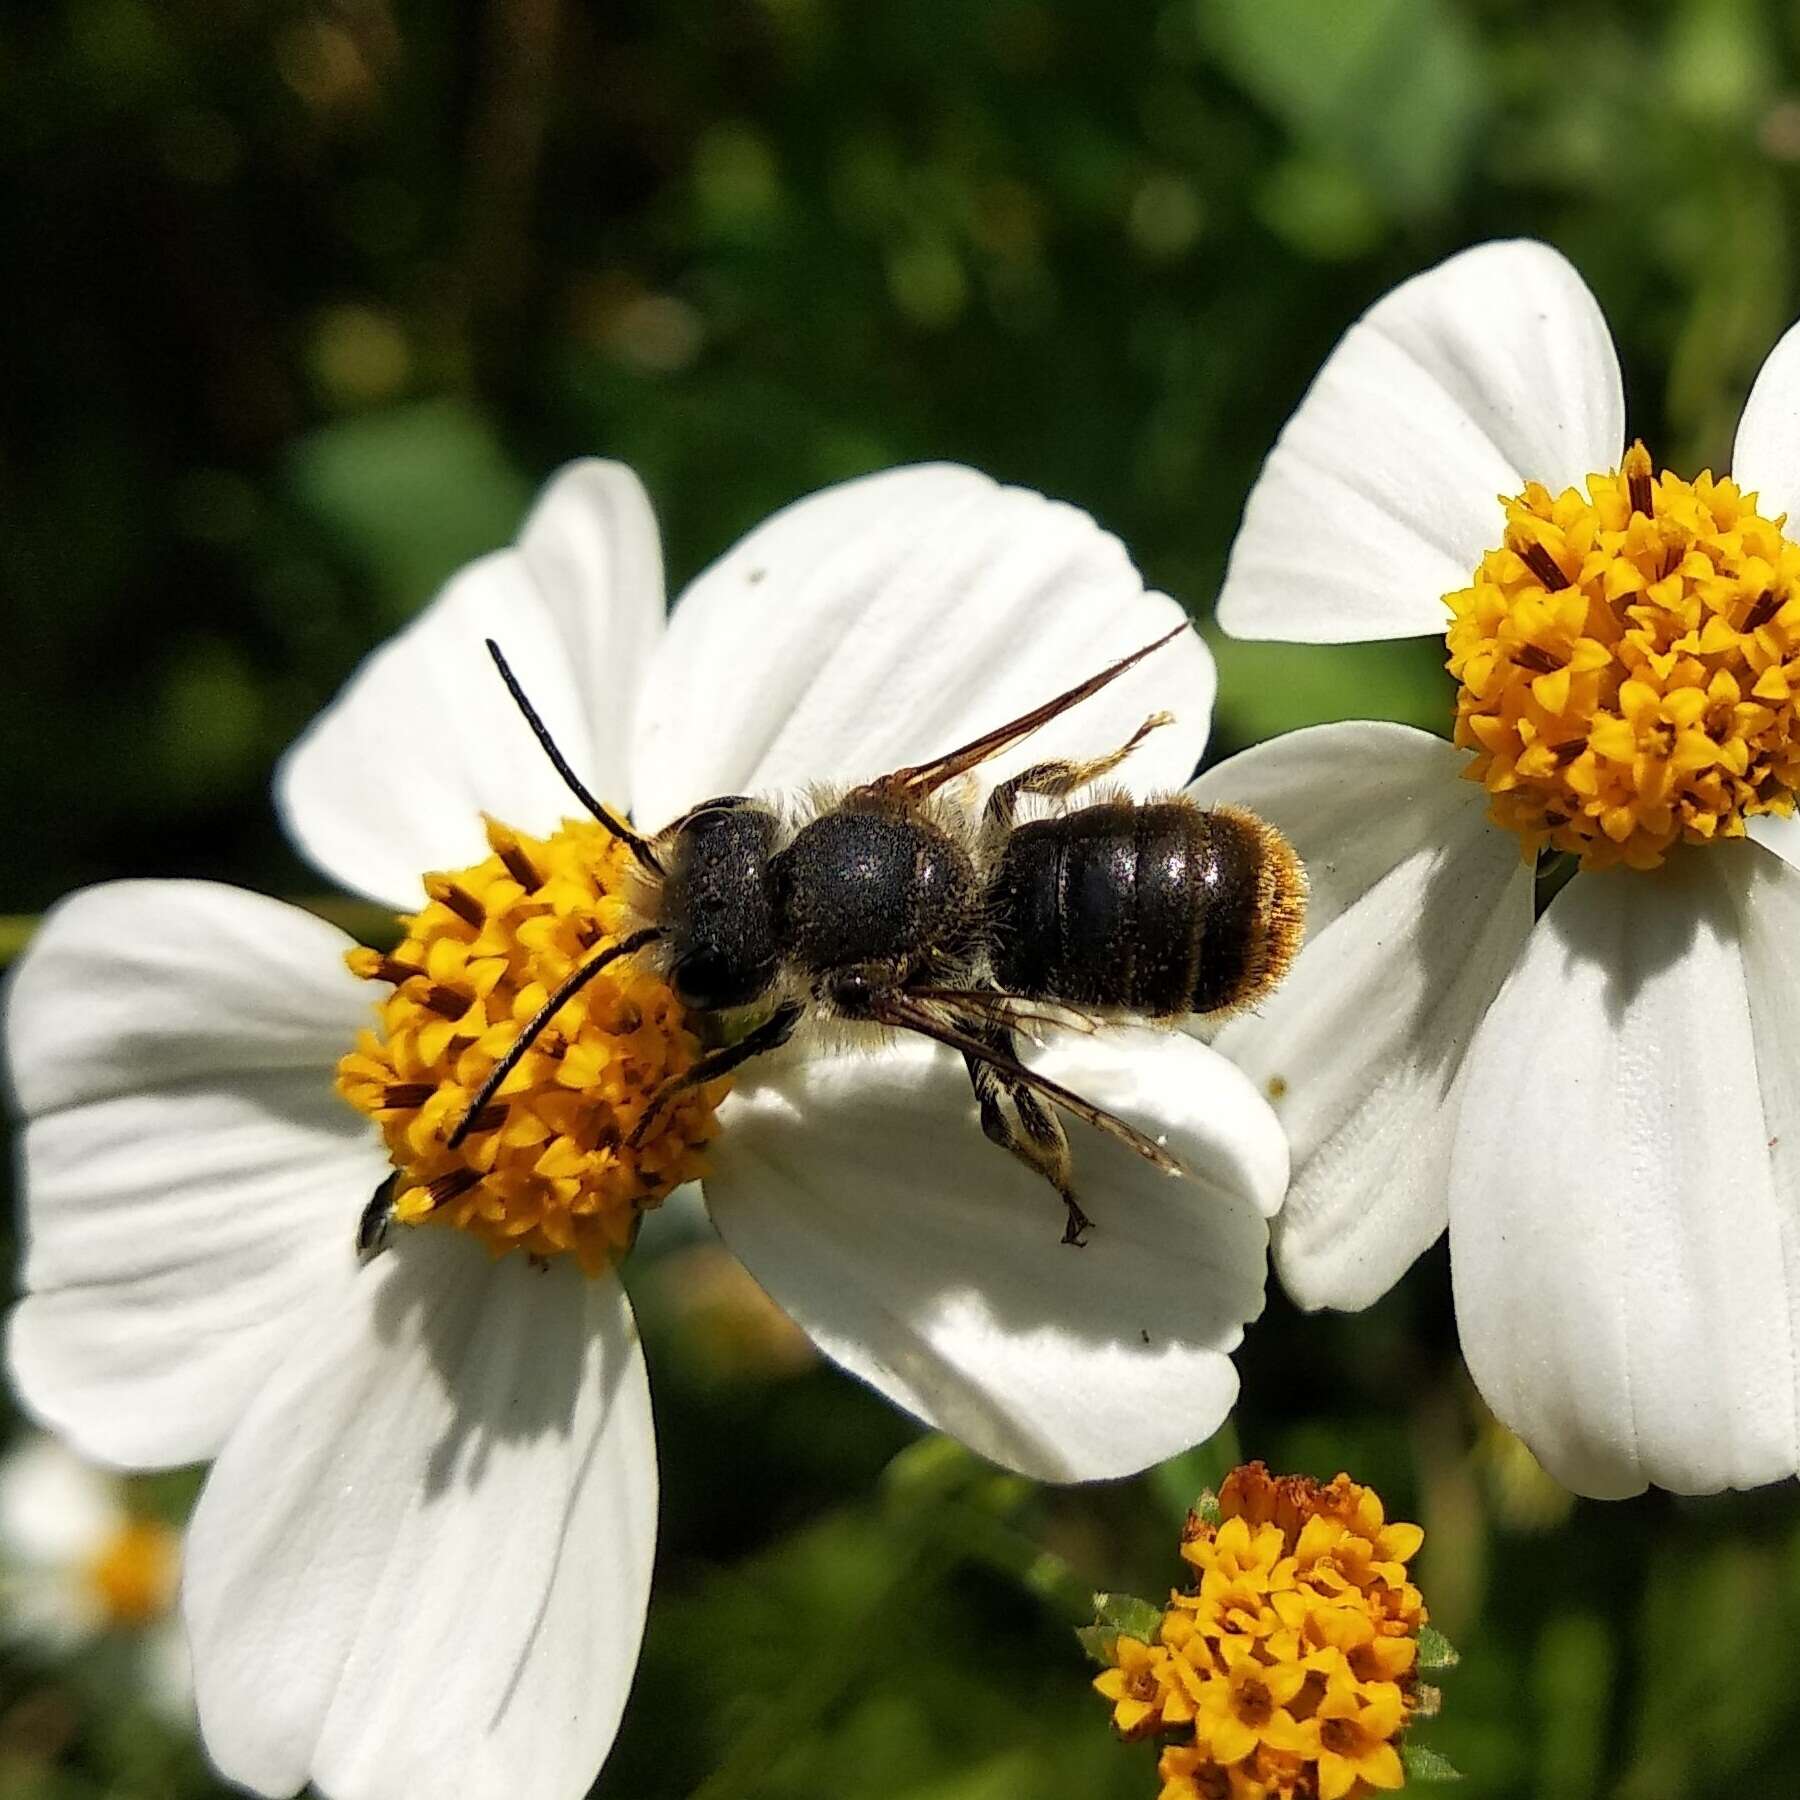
986 1083
1049 1155
1057 780
1042 1147
375 1226
771 1034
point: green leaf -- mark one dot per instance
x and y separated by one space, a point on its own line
1100 1642
1266 689
413 492
1127 1613
1422 1764
1391 89
1435 1650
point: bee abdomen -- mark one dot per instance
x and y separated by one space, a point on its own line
1161 909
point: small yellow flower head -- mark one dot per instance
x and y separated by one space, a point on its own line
550 1165
1150 1688
1629 661
1288 1671
133 1574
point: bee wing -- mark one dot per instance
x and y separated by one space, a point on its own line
905 1013
914 783
1013 1011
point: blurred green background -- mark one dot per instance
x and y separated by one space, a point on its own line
303 303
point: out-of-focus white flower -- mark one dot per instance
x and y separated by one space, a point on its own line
421 1561
1601 1104
78 1565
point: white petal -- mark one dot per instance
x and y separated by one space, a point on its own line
1766 456
165 1672
191 1180
55 1510
420 1566
1624 1232
860 1192
891 619
1777 834
1419 908
391 779
55 1611
1379 498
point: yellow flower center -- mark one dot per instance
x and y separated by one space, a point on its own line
556 1160
134 1573
1258 1711
1629 659
1253 1702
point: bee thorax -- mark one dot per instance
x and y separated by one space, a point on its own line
860 889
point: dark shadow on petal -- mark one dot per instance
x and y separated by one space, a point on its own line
1634 942
504 1384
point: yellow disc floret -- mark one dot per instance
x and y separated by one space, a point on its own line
134 1572
554 1161
1290 1667
1629 661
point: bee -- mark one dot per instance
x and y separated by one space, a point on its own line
892 906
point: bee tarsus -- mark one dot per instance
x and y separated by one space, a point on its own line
374 1229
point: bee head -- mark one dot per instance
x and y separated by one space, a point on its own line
715 906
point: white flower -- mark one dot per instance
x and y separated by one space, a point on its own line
421 1561
1602 1105
78 1564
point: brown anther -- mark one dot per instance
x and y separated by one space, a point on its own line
1340 1736
388 968
1762 609
490 1118
1543 565
520 866
450 1187
401 1095
458 898
588 933
1567 753
1533 656
446 1002
1639 487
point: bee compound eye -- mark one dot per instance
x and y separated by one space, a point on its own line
707 978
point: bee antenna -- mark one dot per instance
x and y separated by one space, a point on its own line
638 846
534 1028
